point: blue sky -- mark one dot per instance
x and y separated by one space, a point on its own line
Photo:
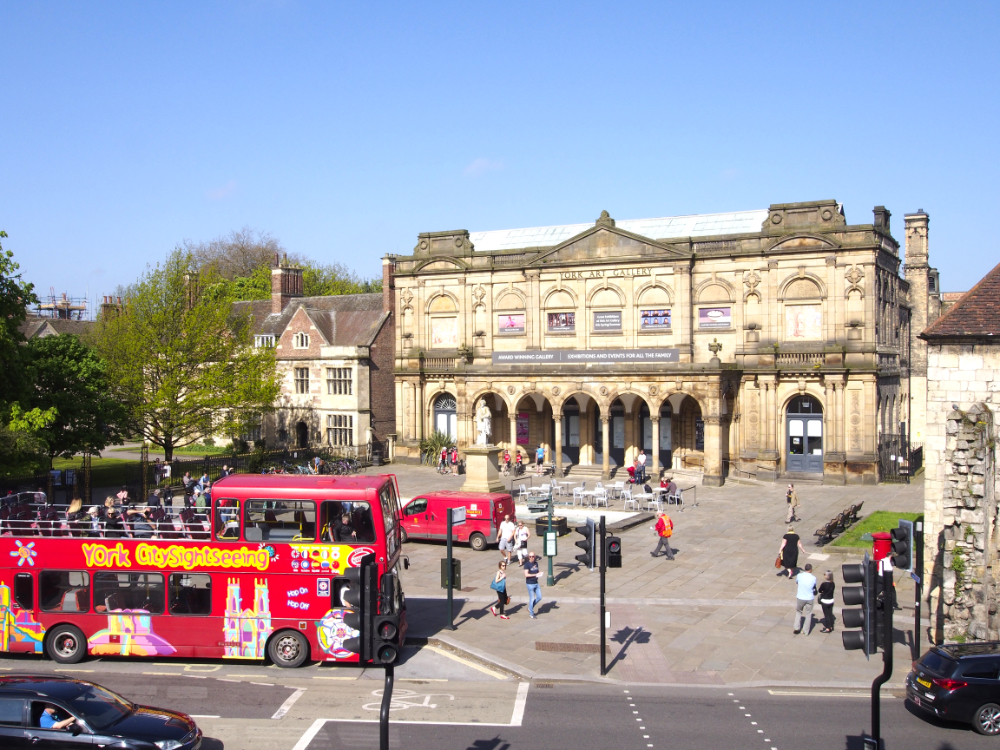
346 129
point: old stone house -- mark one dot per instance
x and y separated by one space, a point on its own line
773 342
961 485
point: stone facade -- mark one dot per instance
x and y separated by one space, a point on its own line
961 483
772 342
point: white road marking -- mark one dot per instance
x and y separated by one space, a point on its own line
324 677
810 694
205 716
76 670
289 702
519 703
165 674
265 684
310 734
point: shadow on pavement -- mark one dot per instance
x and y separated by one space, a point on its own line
495 744
626 637
567 570
210 743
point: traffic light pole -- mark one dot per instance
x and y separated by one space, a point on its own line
604 568
886 658
383 719
451 586
918 579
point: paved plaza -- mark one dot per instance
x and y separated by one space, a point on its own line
716 615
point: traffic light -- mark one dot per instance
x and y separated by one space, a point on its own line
587 544
612 552
864 617
362 598
902 545
385 631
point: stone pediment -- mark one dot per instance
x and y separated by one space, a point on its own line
604 242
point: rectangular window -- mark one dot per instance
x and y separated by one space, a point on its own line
24 591
280 521
607 320
338 381
564 322
252 428
390 514
444 333
654 320
715 317
114 592
190 594
264 341
302 380
300 341
11 713
347 523
340 429
510 323
227 519
804 322
64 590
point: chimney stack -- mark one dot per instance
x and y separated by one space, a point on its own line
388 289
917 229
286 283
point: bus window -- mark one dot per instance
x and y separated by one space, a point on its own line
24 591
280 521
190 594
117 591
347 523
390 513
227 519
64 590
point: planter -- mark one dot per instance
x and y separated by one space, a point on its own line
558 525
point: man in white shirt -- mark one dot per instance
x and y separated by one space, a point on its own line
642 466
505 537
804 597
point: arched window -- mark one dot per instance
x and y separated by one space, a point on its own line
446 415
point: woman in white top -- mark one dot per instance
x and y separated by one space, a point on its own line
521 535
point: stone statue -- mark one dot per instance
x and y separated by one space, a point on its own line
484 423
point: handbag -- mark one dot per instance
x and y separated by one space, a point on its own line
497 585
508 600
777 561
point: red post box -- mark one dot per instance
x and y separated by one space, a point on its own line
881 544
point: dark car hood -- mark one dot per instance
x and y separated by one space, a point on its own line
151 724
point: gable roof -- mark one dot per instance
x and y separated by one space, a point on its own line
35 326
603 240
343 320
664 228
976 314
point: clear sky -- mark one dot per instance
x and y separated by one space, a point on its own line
346 129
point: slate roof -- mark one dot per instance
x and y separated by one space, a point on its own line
343 320
668 227
33 326
976 314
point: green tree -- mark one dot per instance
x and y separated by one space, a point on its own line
334 279
243 288
15 296
69 378
238 254
183 362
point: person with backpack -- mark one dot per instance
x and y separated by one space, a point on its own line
665 530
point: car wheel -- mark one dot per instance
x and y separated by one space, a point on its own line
403 536
66 644
288 649
478 542
987 719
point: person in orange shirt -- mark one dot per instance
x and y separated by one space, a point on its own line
664 529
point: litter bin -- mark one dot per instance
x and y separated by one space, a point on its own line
376 458
881 544
456 568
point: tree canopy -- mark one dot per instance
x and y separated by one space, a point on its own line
15 296
237 254
183 362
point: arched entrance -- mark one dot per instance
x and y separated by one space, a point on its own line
804 435
301 435
666 437
616 440
571 430
446 415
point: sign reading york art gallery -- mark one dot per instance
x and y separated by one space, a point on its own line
587 356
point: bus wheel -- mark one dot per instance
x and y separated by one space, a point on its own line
403 536
66 644
288 649
478 542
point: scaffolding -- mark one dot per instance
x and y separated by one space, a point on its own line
62 307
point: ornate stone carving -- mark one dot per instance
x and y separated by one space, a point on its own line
854 278
752 282
653 390
604 390
477 295
406 298
855 421
753 419
510 390
605 220
556 390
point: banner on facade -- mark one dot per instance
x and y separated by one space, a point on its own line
587 356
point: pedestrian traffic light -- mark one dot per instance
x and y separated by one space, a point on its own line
385 630
902 545
612 552
362 597
865 616
587 544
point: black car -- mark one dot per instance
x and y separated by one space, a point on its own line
56 712
959 682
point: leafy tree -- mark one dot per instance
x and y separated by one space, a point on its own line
237 255
69 379
21 448
15 296
182 362
243 288
334 279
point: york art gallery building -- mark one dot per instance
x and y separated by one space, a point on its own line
772 342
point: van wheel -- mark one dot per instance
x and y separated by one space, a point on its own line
403 536
66 644
987 719
478 542
288 649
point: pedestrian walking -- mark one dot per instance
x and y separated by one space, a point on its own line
788 552
664 529
792 500
804 596
539 460
500 586
641 466
826 591
505 537
454 460
531 583
521 536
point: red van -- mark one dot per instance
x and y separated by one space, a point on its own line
425 516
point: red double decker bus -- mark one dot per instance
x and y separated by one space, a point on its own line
260 573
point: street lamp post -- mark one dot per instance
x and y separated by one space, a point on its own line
550 581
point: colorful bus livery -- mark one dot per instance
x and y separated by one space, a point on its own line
265 578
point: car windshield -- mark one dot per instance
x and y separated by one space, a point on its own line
99 707
936 663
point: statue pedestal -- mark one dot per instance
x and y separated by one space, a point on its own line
482 469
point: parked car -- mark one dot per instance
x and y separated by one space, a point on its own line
426 516
54 712
960 682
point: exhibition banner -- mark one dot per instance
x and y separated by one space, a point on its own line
587 356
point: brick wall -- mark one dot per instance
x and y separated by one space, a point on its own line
383 386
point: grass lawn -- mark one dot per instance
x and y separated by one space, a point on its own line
95 463
188 450
880 520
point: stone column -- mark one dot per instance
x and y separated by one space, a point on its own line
557 440
713 451
654 458
683 311
606 447
513 433
768 458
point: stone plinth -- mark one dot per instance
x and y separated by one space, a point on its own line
482 471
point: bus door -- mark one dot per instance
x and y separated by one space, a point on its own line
24 634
